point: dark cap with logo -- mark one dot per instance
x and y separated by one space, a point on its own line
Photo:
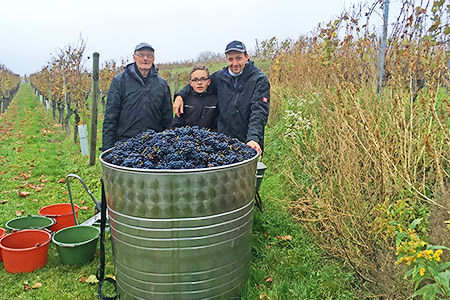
236 46
143 45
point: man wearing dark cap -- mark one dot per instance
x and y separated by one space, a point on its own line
243 97
138 100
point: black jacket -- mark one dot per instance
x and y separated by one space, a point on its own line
243 104
199 110
134 106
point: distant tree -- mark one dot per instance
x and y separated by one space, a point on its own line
209 57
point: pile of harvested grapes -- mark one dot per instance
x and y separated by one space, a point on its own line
180 148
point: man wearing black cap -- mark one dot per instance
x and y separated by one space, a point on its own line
243 97
138 100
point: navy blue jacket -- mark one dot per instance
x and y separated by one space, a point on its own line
199 110
243 104
134 106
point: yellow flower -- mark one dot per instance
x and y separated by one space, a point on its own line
422 271
437 254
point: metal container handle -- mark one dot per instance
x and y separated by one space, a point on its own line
97 204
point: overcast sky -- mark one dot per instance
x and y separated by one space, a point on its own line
30 30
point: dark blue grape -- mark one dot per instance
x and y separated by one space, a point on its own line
180 148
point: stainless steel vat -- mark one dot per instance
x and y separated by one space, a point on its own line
181 234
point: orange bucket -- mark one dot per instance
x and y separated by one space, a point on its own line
25 250
61 213
2 234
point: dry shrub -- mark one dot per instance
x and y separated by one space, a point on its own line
363 152
439 233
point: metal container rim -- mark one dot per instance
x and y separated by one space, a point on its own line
181 171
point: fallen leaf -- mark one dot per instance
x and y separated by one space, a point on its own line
111 276
85 207
266 234
269 279
3 201
285 238
262 296
38 189
24 194
61 181
82 202
25 176
91 279
82 279
19 213
36 285
26 286
35 200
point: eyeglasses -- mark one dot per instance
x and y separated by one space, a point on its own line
197 80
149 55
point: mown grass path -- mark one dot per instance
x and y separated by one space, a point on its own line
36 155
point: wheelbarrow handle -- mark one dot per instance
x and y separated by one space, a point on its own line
97 204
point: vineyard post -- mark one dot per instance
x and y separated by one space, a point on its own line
94 110
383 48
169 79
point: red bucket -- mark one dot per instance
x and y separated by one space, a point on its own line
61 213
2 234
25 251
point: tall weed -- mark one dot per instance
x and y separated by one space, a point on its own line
359 151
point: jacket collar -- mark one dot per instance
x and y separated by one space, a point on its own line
249 68
194 93
133 71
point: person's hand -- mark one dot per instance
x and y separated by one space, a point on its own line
255 145
178 106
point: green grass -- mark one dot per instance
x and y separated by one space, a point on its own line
35 152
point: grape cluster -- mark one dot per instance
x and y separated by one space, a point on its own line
180 148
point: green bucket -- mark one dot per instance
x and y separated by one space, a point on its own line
76 245
30 222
